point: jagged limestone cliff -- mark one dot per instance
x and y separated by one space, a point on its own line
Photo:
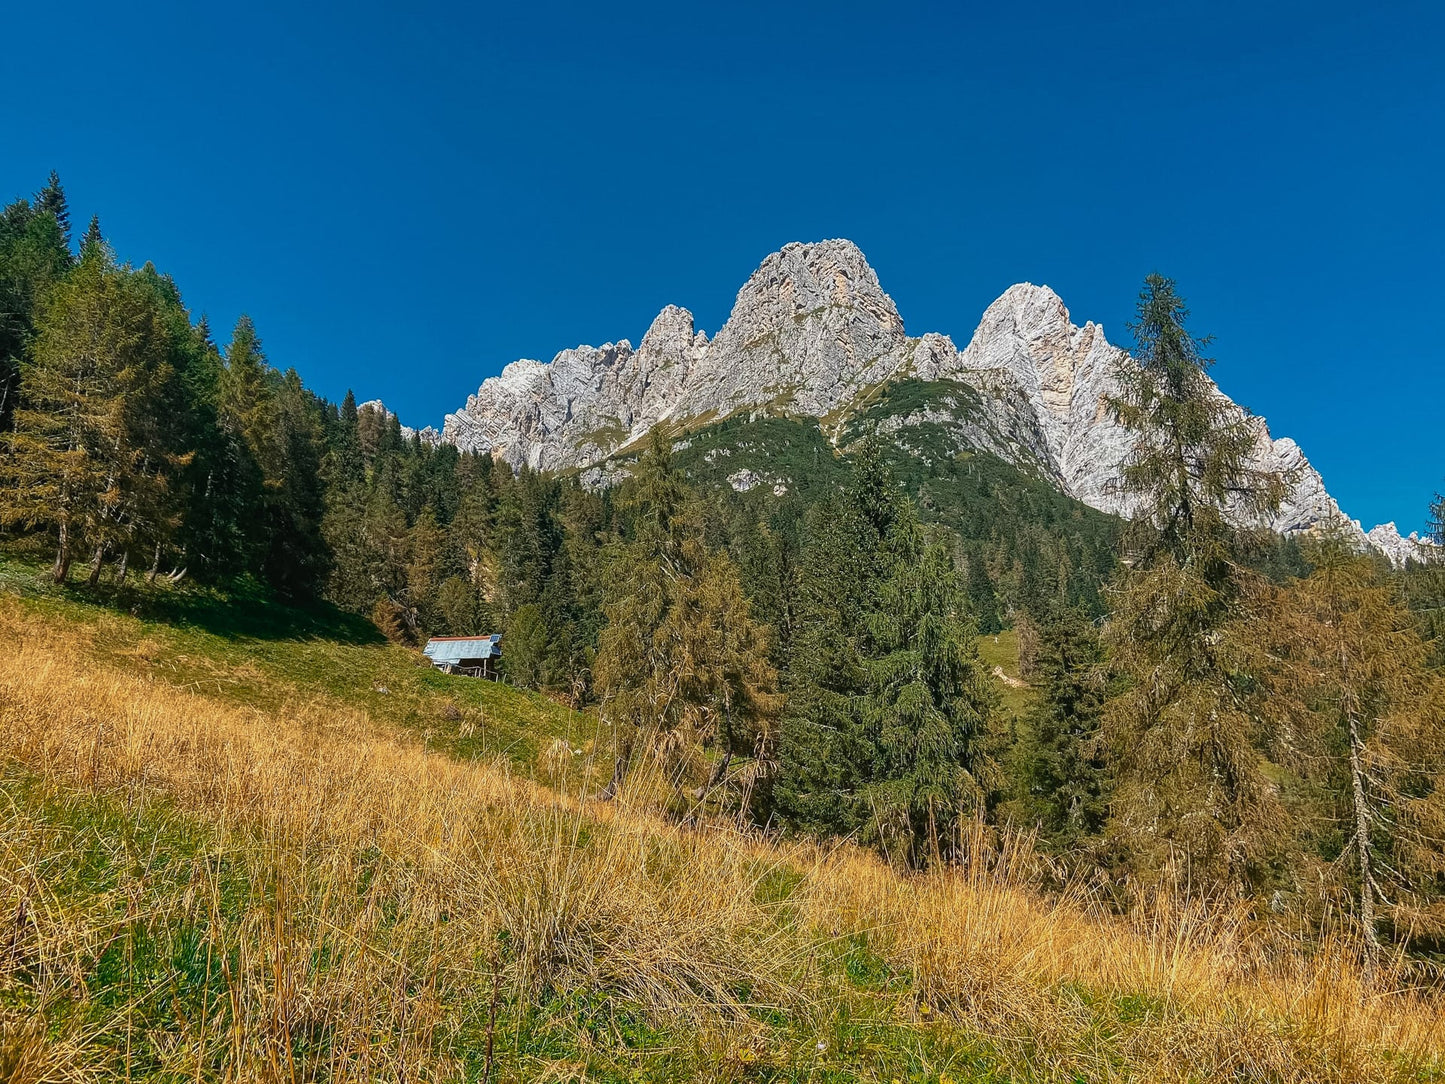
812 333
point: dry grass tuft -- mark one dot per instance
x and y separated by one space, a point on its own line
355 900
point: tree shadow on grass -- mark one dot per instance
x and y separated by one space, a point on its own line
245 609
240 614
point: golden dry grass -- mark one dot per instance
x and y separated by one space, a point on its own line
390 891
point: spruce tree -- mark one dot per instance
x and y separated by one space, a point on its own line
297 561
891 725
825 756
51 200
243 410
33 256
930 709
219 538
93 238
1066 774
350 467
1181 729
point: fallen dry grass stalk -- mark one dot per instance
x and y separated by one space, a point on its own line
413 876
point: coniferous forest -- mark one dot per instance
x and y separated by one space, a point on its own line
1252 717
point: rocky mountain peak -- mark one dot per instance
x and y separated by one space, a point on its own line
812 333
670 334
1030 311
801 278
809 327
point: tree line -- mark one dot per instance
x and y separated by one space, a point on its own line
1214 706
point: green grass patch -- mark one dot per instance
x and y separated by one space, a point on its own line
147 951
1001 650
242 649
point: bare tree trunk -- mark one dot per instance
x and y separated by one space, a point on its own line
619 773
933 835
62 554
120 568
155 566
1362 844
719 771
95 563
721 767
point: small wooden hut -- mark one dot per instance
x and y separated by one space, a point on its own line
474 656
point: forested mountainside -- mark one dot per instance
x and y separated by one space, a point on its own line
782 605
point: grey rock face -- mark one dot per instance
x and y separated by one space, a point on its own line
1067 374
812 333
1386 539
585 403
809 329
1026 344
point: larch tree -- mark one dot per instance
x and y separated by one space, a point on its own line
1366 719
426 556
1183 734
681 666
84 458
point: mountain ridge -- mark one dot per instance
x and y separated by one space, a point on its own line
813 333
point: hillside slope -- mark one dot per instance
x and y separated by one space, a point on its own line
224 862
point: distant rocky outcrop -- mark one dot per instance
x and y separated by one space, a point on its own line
428 435
1400 551
812 333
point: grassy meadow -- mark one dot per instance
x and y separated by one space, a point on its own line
243 844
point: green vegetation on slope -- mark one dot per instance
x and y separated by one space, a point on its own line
162 915
260 654
217 892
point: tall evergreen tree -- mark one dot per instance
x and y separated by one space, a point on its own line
86 458
890 726
825 756
1065 773
1185 740
930 710
297 561
51 200
93 238
681 667
33 256
246 390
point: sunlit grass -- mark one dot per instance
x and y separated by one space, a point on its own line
293 887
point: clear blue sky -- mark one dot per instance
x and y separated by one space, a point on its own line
406 197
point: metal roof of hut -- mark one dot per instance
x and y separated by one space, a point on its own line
453 649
